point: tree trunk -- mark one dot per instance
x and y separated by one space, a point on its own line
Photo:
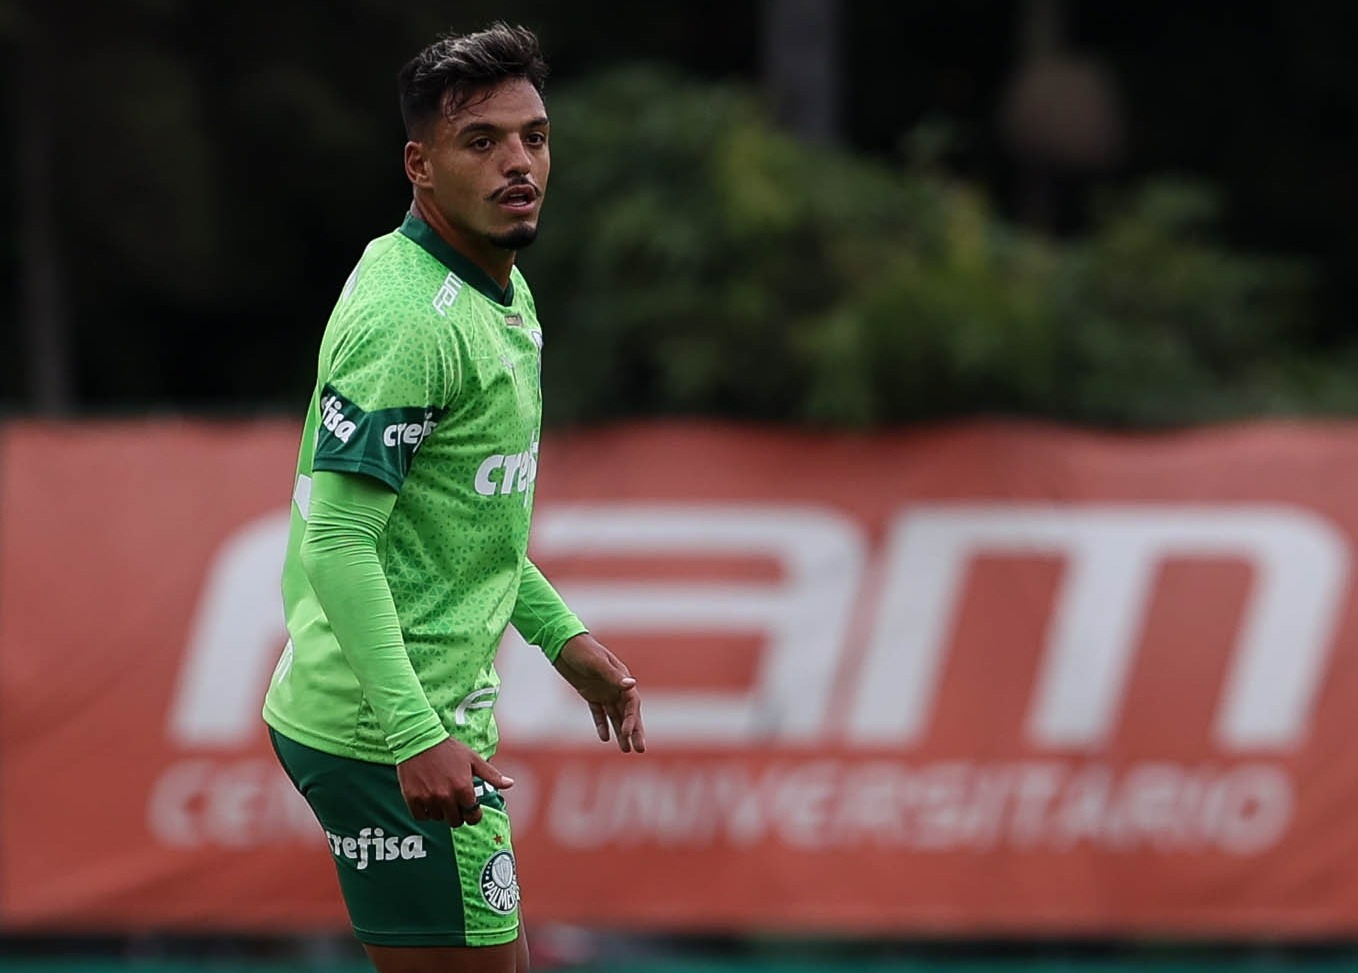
42 305
801 66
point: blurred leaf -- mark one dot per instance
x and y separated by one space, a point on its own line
697 261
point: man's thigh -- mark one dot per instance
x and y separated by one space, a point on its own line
408 883
509 958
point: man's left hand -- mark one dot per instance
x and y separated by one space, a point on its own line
611 691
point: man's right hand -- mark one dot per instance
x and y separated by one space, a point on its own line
437 783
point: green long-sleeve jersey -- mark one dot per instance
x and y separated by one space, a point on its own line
428 383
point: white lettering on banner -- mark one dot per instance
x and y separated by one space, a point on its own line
951 806
234 643
231 804
1241 810
1301 566
803 617
245 803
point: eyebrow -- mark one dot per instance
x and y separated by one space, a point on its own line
473 127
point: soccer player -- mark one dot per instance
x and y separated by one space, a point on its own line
407 555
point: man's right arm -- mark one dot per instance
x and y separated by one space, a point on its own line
347 515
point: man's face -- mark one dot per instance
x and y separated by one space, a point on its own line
488 166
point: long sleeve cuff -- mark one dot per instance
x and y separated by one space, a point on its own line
541 616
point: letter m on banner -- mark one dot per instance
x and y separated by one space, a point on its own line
1112 552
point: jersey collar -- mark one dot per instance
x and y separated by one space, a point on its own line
427 237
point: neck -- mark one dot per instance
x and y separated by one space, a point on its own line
495 261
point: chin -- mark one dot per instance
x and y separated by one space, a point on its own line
515 238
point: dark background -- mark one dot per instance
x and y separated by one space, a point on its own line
188 183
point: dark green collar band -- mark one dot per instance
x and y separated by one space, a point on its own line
438 248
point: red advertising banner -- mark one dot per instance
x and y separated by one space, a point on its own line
983 680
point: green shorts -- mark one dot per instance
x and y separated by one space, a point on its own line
408 882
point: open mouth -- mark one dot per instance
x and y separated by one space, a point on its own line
518 199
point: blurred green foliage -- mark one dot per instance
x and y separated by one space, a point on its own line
696 261
216 169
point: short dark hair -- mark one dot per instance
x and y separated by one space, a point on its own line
449 73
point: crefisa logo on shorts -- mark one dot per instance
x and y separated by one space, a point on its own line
500 883
375 845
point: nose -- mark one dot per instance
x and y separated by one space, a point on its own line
517 161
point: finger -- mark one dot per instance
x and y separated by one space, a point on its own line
434 810
418 810
455 813
638 732
490 775
631 728
631 722
630 711
600 721
615 716
462 800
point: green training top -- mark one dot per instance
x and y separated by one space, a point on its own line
428 382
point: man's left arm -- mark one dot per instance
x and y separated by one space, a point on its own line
540 615
602 680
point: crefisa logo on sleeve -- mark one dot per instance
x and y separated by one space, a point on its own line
409 433
332 417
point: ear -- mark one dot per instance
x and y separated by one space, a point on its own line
418 168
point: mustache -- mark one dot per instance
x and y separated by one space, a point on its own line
516 184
